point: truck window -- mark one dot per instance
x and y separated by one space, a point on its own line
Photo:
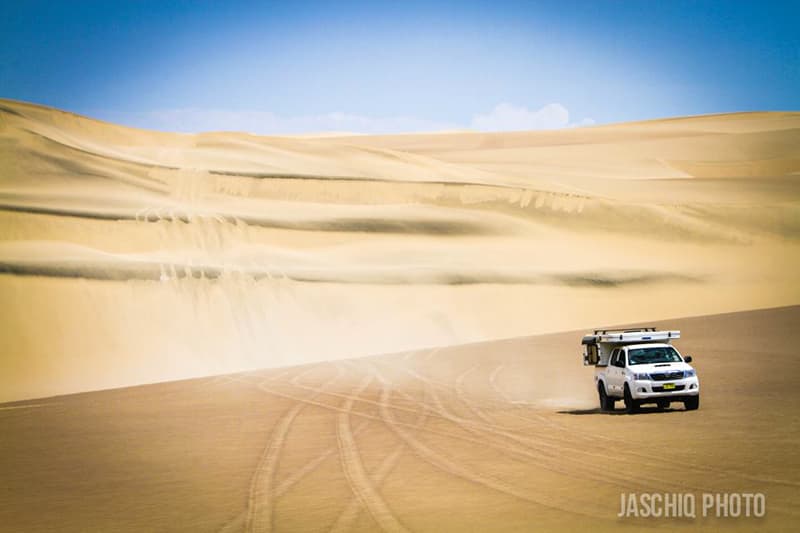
655 354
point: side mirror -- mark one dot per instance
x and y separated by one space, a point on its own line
687 359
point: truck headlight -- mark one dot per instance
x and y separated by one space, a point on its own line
641 376
689 373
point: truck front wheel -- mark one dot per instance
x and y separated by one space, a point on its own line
606 403
692 403
631 405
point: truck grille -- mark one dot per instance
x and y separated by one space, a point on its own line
667 376
661 389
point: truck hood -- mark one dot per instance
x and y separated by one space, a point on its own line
659 367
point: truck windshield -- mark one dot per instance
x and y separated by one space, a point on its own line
662 354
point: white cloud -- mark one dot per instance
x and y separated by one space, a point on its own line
504 117
508 117
583 122
267 123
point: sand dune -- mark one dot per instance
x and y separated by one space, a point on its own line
131 256
498 436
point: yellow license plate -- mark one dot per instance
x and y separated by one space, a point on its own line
669 386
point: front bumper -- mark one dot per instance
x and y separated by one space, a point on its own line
643 389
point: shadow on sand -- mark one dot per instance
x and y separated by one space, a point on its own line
597 411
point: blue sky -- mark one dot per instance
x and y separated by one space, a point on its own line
291 67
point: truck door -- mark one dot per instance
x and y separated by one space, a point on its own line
621 360
613 373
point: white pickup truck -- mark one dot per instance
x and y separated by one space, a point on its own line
640 366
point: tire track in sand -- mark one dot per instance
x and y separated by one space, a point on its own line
544 456
545 453
487 481
451 467
493 382
295 477
260 498
426 409
571 438
548 455
461 395
354 471
238 522
568 442
350 513
422 450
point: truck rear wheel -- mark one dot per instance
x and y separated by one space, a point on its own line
606 403
692 403
631 405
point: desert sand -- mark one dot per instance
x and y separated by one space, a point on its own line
496 436
272 270
131 256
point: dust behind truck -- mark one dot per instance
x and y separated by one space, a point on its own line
640 366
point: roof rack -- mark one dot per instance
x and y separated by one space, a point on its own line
623 330
630 336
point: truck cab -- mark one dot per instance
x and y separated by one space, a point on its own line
640 366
